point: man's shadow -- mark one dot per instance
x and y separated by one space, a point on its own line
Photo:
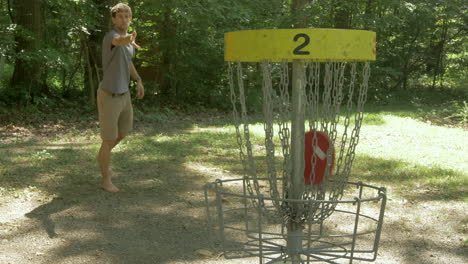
45 211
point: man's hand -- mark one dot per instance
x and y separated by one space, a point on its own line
124 40
133 37
136 76
140 89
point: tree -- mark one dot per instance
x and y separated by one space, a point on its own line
28 78
342 14
54 46
6 41
91 44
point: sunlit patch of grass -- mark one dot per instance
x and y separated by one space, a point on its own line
374 119
417 143
433 181
414 156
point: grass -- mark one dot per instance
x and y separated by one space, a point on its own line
386 155
399 146
163 165
446 107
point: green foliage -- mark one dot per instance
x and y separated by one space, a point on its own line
419 43
189 43
7 28
69 24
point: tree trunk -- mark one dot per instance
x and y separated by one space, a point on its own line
92 47
27 79
438 67
368 7
9 4
168 33
299 16
342 15
368 12
2 65
89 72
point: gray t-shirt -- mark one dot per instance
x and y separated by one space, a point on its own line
116 64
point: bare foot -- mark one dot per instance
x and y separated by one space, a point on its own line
107 183
109 187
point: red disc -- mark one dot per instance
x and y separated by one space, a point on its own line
320 150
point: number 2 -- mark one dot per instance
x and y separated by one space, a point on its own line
298 50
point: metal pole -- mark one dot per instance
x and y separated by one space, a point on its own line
208 214
295 235
219 204
383 196
356 224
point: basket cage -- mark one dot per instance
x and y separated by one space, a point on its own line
294 202
242 229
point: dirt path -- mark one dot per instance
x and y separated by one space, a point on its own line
159 217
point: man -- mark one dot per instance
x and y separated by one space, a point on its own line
114 103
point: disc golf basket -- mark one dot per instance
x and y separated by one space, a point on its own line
294 203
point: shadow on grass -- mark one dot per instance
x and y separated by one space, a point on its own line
419 249
158 217
414 181
121 228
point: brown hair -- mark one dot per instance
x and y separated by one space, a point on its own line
121 8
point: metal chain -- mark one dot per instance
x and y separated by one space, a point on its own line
236 118
284 130
336 189
324 100
268 112
349 110
248 163
313 91
362 97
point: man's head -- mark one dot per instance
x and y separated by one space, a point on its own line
121 16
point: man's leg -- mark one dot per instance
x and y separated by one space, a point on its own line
119 138
104 157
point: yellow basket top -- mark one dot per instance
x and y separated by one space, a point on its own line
300 44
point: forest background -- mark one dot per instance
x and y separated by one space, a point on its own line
50 50
413 138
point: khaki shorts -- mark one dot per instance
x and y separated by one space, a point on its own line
115 114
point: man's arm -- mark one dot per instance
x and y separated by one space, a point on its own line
124 40
136 76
